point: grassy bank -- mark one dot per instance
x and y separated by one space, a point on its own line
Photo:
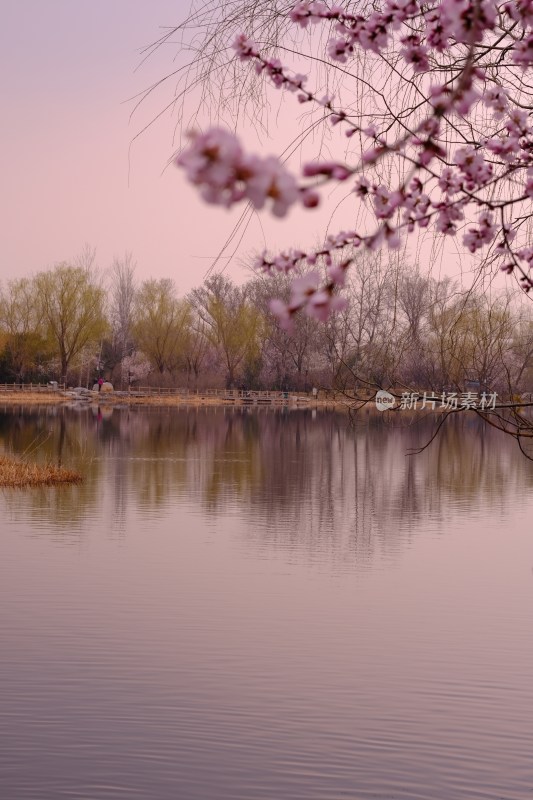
20 474
14 398
202 400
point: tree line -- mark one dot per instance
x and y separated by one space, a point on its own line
401 327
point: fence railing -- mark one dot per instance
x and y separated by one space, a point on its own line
228 395
242 396
31 387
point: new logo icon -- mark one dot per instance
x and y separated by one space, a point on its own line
384 400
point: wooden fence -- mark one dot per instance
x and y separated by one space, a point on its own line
227 396
31 387
240 396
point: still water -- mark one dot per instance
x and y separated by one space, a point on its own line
259 604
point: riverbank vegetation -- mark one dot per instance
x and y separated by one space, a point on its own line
401 327
16 473
15 397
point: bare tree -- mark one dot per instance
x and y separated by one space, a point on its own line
197 346
122 302
288 355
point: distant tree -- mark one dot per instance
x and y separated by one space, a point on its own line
413 300
377 334
122 306
86 258
287 355
21 323
197 347
522 352
232 324
136 366
161 324
72 303
487 327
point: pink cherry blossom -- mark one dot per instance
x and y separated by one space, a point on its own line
339 50
415 53
446 175
521 11
268 178
216 162
484 234
385 202
362 187
322 304
304 286
447 216
303 13
283 313
245 48
450 182
337 273
310 198
473 166
523 52
496 98
329 168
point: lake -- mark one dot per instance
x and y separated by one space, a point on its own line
251 604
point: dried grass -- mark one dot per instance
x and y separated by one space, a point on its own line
31 398
17 398
18 474
200 400
173 400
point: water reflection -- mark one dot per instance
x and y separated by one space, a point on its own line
242 605
301 479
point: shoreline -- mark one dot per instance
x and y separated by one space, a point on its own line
213 398
26 398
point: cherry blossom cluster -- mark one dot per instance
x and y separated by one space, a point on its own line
444 22
217 163
456 180
308 292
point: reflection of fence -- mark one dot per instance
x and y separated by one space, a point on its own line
237 396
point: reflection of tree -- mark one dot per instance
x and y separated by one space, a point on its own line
158 468
52 435
308 482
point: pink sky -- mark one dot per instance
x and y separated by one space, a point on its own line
67 69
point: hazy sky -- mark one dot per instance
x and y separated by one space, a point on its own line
68 68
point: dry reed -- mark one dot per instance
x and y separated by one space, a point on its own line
18 474
109 399
31 398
